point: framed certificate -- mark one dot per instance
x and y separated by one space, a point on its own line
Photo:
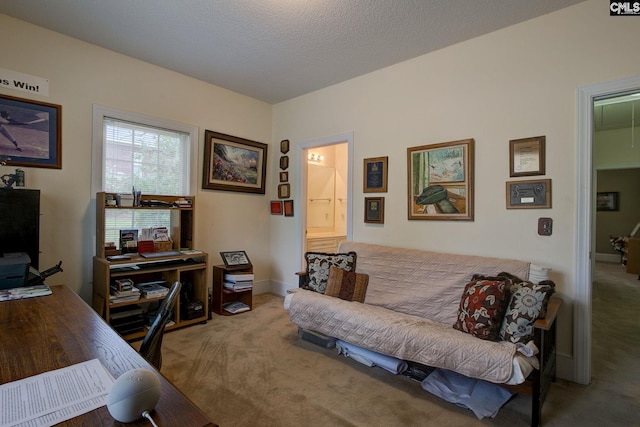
375 175
526 156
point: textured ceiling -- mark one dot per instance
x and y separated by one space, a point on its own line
274 50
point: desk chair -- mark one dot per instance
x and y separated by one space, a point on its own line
151 347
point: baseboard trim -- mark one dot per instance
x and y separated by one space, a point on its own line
608 257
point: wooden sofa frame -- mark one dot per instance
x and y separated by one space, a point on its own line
538 382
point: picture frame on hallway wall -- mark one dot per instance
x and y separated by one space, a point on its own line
440 181
233 164
30 133
527 156
607 201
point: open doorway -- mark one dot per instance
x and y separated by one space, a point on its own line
585 215
325 193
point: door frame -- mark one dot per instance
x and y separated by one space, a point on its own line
585 212
301 154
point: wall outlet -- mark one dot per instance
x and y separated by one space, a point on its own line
545 226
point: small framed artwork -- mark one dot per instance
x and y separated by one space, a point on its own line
527 156
607 201
235 259
233 164
534 194
375 175
284 176
30 133
288 208
284 191
276 207
374 210
440 181
284 162
284 146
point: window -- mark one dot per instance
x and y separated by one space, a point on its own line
149 159
151 155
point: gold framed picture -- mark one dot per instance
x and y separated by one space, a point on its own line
440 181
284 191
375 175
527 156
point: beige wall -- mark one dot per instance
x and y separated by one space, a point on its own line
80 75
514 83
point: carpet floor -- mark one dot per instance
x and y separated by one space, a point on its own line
252 370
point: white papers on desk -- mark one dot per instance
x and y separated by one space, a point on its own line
52 397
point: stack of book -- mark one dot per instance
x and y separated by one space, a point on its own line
238 281
235 307
127 320
123 291
156 289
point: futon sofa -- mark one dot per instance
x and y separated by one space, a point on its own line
473 315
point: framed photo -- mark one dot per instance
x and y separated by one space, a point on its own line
374 210
284 176
375 175
607 201
233 164
30 133
534 194
527 156
235 259
288 208
440 181
276 207
284 146
284 191
284 162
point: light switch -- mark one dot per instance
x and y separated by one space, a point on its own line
545 226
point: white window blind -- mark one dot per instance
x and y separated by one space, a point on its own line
152 160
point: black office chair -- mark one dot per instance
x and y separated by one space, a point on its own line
151 347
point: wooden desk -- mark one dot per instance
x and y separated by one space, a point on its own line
54 331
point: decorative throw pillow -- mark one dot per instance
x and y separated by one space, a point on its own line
482 308
528 303
347 285
318 265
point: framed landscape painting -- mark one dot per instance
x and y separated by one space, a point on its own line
30 133
233 164
440 181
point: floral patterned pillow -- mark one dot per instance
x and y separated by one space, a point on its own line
482 308
528 302
318 265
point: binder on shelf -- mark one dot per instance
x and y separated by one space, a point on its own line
238 277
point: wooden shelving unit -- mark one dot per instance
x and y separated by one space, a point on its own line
221 295
186 266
